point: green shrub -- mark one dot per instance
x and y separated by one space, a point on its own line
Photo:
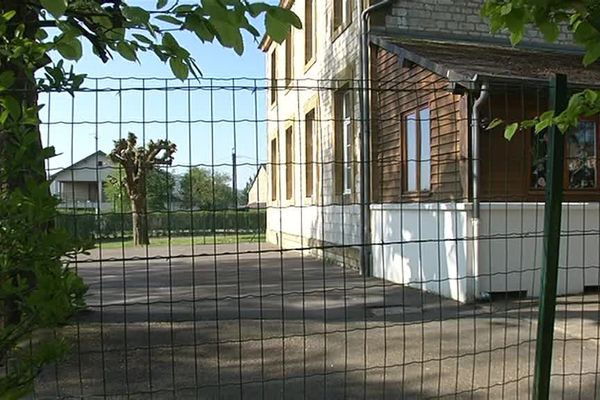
178 223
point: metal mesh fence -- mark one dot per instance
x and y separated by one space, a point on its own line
255 285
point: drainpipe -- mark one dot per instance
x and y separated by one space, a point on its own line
365 148
475 164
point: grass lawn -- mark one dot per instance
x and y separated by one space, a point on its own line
187 240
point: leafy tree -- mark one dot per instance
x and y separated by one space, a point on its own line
137 162
202 190
36 287
581 19
160 185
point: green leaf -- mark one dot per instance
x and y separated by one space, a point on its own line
7 78
496 122
516 37
69 48
12 106
136 15
161 4
179 68
7 16
510 130
549 30
592 53
55 7
127 51
230 36
169 19
287 16
142 38
255 9
546 119
506 9
276 29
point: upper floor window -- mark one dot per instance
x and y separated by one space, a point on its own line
309 31
342 13
581 155
417 166
273 76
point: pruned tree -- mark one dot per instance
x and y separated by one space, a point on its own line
160 190
137 163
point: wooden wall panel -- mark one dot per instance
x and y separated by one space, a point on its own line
400 89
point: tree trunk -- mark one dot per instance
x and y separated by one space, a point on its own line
14 138
139 223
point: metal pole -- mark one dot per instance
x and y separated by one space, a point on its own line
234 178
552 221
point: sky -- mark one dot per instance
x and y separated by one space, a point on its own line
205 118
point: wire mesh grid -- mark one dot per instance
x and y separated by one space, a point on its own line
253 284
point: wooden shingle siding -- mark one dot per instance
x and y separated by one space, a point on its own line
399 89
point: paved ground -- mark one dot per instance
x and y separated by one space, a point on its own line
248 322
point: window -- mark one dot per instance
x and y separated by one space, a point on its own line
344 139
309 31
274 169
348 139
273 77
288 59
342 13
417 134
581 154
308 152
289 163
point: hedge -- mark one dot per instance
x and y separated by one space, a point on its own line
178 223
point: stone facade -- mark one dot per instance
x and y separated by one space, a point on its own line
455 20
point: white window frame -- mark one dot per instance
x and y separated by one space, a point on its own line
347 137
418 154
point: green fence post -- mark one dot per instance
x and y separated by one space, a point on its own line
552 221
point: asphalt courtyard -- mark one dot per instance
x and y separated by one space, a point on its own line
250 321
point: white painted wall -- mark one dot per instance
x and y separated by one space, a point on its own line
425 246
332 224
511 247
257 196
430 246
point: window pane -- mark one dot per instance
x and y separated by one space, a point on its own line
539 154
347 106
308 153
425 160
581 156
347 121
411 153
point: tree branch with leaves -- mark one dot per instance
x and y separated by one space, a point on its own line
37 288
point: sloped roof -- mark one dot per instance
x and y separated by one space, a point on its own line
75 165
462 63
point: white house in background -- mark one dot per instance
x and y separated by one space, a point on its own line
428 61
257 196
81 184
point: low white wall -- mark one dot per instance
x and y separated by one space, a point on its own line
424 245
299 227
511 247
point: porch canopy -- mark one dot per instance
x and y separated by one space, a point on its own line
464 63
